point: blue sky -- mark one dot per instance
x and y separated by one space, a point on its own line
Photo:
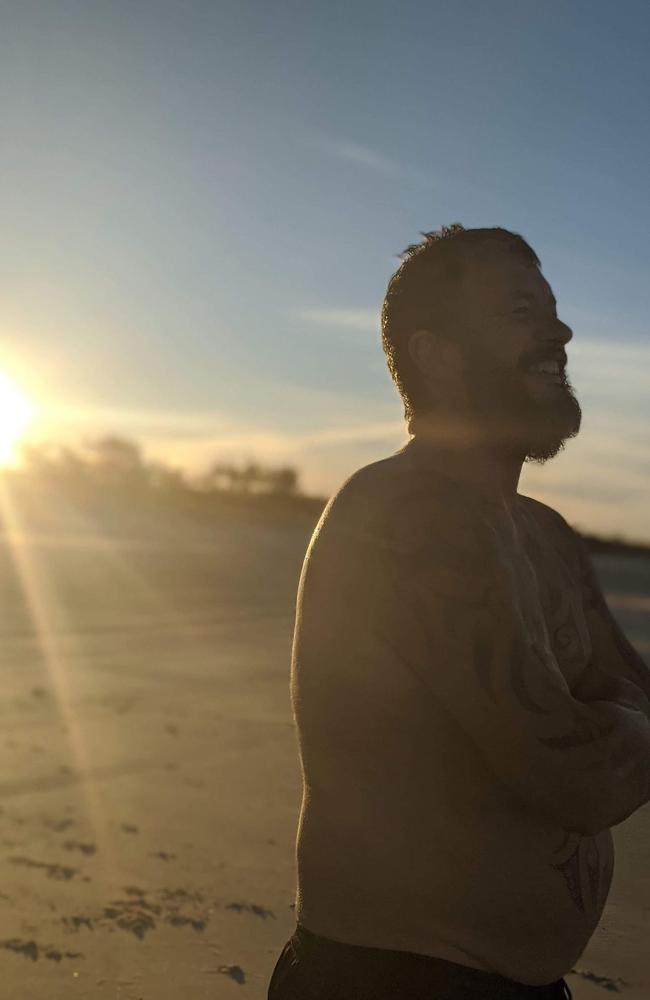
202 204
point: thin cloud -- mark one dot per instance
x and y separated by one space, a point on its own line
371 159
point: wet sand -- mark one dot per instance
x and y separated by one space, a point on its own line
149 781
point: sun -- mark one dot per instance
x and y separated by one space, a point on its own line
16 414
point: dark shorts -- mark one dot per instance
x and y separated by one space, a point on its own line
311 967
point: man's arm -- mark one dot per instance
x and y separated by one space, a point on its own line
585 767
613 655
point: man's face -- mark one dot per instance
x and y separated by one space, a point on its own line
515 359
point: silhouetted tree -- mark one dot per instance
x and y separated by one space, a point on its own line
163 479
283 481
251 478
117 460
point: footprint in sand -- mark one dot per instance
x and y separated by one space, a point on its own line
76 845
60 872
59 824
75 922
32 950
181 920
134 915
139 915
614 985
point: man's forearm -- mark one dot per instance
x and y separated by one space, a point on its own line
612 649
630 761
614 779
595 684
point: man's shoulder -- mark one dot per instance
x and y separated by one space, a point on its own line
556 528
392 503
547 515
363 504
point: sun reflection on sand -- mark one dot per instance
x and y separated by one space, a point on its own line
61 646
41 606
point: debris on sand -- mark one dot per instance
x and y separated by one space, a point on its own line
129 828
163 855
254 908
60 872
234 971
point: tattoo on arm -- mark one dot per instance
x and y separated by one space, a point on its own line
587 872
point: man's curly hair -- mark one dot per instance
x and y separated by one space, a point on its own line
421 293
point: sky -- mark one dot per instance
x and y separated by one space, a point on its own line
202 204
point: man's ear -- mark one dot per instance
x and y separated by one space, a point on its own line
434 354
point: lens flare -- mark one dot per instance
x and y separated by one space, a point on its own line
16 414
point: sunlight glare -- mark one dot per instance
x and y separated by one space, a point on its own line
16 414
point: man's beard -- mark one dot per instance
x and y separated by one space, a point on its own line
513 417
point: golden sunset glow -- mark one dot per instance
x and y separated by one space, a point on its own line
16 414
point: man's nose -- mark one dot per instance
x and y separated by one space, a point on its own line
557 332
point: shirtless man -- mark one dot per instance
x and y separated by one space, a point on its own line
471 720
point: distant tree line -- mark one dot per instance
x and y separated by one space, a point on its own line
113 473
115 463
113 469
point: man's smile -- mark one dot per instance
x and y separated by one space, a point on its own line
547 370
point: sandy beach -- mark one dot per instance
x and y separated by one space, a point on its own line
149 781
